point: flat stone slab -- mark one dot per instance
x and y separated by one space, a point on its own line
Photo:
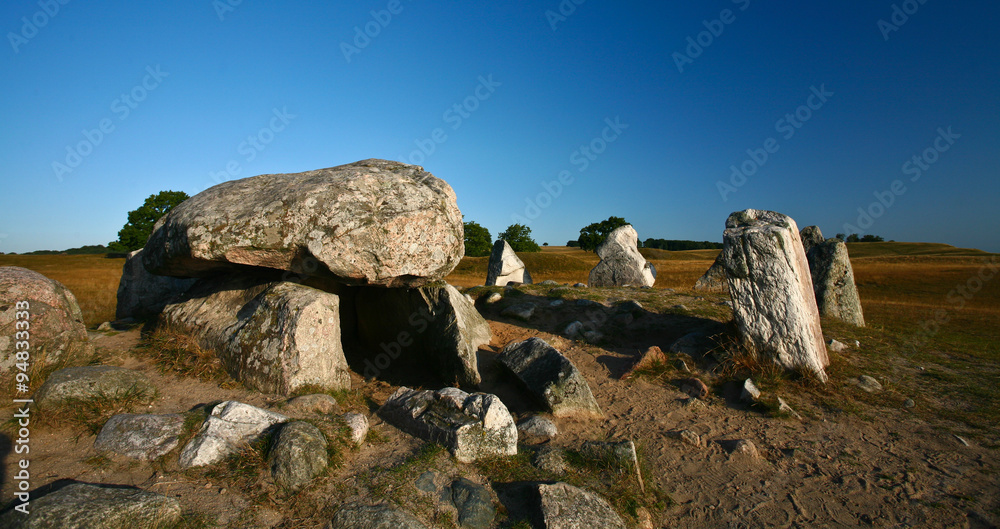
89 382
85 506
143 437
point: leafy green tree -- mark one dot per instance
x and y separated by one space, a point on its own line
872 238
140 221
478 241
594 234
853 238
518 236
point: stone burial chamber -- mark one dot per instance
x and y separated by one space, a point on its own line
295 279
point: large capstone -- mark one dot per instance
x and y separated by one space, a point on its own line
621 263
833 282
769 280
551 378
431 332
273 336
372 222
505 266
141 294
472 426
36 306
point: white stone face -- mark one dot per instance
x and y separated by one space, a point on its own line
230 425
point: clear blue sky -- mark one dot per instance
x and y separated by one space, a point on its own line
529 97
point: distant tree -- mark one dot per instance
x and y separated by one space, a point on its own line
140 221
872 238
518 236
573 244
853 238
545 244
594 234
676 245
478 241
840 236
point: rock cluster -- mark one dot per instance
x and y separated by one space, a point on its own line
621 263
288 276
505 266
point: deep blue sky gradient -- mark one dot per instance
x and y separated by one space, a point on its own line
605 61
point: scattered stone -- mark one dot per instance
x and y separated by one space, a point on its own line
586 303
432 329
644 518
86 506
686 436
142 294
579 285
961 440
693 344
621 263
694 403
593 336
105 327
358 424
908 403
549 282
230 425
550 459
714 280
725 303
272 336
750 392
773 302
471 426
317 403
521 311
857 343
745 447
494 297
564 506
505 266
372 222
869 384
680 307
784 407
427 481
143 437
835 346
556 303
694 387
382 516
574 329
90 382
652 357
551 377
474 504
298 455
58 334
621 453
535 430
833 282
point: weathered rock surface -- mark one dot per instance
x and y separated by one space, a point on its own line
714 279
54 320
229 426
272 336
358 425
620 453
471 426
432 328
621 263
298 455
372 222
773 302
520 311
473 503
749 392
869 384
535 429
85 506
551 378
694 387
564 506
89 382
505 266
811 236
361 516
317 403
833 282
144 437
550 459
142 294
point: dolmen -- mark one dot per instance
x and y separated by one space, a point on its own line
289 277
621 263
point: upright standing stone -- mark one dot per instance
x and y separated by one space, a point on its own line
714 280
833 282
32 304
773 302
621 263
505 266
811 236
141 294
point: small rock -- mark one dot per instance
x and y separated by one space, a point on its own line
426 482
105 327
298 455
750 392
556 303
908 403
644 518
573 330
90 382
869 384
318 403
231 425
566 506
549 282
961 440
784 407
550 459
694 403
679 307
494 297
725 303
474 504
593 336
361 516
579 285
621 452
86 506
686 436
143 437
857 343
535 430
745 447
651 358
358 425
694 387
521 311
835 346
